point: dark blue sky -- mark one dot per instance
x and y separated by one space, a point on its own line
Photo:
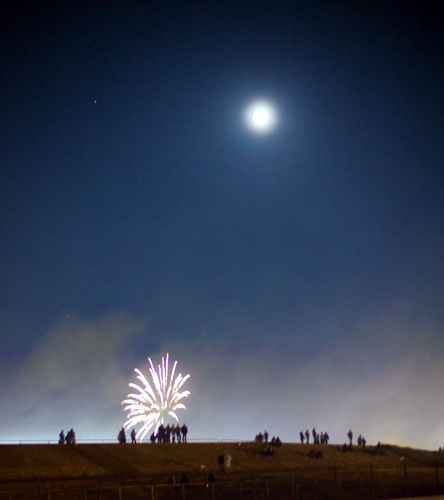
132 192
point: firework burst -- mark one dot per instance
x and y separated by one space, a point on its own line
152 405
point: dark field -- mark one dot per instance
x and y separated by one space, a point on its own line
127 472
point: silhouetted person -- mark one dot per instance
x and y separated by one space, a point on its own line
70 437
307 436
364 442
350 436
326 437
62 437
278 442
167 433
211 477
133 436
184 479
184 433
301 435
121 436
314 434
266 436
227 463
153 438
161 434
178 435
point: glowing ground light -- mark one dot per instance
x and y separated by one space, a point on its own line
152 405
260 117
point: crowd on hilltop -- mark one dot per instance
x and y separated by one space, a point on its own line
178 434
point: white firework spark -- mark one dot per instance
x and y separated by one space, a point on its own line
150 407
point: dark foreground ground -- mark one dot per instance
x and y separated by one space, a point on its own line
141 471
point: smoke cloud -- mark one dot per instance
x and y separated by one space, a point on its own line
384 381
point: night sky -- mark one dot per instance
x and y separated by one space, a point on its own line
297 275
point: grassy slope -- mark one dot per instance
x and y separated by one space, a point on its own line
51 460
162 458
423 457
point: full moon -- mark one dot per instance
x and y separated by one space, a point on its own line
260 117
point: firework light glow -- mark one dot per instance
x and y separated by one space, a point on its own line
152 405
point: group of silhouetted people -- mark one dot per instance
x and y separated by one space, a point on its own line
263 438
317 454
321 438
165 434
267 451
121 436
168 434
361 442
70 437
259 438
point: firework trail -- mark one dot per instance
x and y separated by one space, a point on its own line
152 405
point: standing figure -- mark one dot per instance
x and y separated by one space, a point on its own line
266 436
133 436
69 439
62 437
184 433
307 436
161 434
184 479
121 436
301 435
350 436
177 431
227 463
